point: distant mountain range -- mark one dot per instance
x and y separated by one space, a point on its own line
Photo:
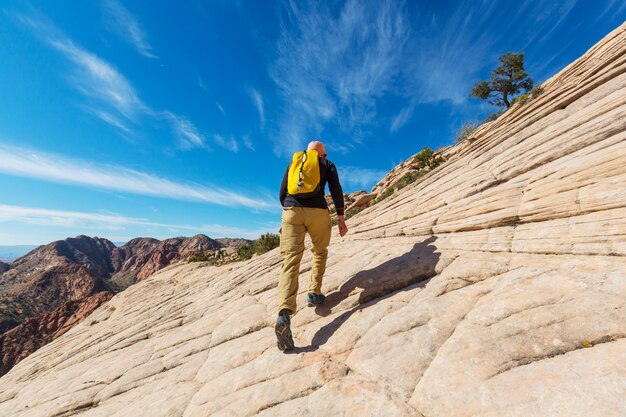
53 287
10 253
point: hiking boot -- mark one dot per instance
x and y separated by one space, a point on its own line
282 328
315 299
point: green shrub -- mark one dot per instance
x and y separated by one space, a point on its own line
426 159
198 257
384 194
409 178
245 252
435 162
424 162
354 211
537 91
521 99
491 117
423 157
348 213
466 130
265 243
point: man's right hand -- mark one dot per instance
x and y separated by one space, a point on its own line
341 224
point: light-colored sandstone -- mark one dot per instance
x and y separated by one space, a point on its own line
493 286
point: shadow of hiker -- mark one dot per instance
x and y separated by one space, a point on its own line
406 272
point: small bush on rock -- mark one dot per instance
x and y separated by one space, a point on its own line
384 194
423 157
409 178
521 99
199 257
537 91
245 252
493 116
466 130
354 211
424 162
265 243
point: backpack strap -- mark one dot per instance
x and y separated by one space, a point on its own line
304 156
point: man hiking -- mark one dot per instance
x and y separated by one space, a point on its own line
305 210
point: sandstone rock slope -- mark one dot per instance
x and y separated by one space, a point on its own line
493 286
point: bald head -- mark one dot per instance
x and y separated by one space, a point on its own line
318 146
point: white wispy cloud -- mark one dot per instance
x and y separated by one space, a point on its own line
109 118
435 73
340 148
189 136
56 168
112 222
229 144
401 118
247 142
610 8
121 22
57 218
221 109
202 84
258 102
109 94
100 82
356 178
559 9
332 68
185 131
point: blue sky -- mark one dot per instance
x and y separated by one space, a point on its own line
154 118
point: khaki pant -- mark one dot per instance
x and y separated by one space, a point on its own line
296 222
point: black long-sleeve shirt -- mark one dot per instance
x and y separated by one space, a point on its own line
328 173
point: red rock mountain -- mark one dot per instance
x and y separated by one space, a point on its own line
52 288
24 339
45 278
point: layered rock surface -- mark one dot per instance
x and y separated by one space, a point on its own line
493 286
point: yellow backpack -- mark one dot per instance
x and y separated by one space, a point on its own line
303 180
